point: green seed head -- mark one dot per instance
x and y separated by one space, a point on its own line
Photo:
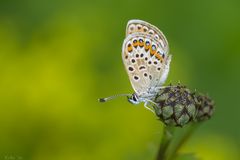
205 107
175 105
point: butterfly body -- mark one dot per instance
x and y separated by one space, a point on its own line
146 60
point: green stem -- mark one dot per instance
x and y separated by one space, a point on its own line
165 141
183 140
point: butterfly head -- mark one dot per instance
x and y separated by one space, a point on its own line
134 99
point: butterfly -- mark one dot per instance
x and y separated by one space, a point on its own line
146 60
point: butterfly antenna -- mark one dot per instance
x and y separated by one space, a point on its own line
113 97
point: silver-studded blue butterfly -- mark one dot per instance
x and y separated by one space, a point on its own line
146 60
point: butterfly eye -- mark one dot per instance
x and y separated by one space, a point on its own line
134 97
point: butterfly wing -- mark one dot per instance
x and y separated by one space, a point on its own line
146 62
145 56
139 26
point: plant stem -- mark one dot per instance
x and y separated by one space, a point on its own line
183 140
165 141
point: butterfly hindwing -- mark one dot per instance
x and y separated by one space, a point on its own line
145 62
139 26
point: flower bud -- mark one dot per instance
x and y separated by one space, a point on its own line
205 107
175 105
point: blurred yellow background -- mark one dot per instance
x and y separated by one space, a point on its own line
58 57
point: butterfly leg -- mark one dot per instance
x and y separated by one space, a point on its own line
149 106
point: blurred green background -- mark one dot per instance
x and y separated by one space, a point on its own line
58 57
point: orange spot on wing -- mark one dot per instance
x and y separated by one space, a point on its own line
147 47
152 52
129 47
158 56
135 43
141 44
